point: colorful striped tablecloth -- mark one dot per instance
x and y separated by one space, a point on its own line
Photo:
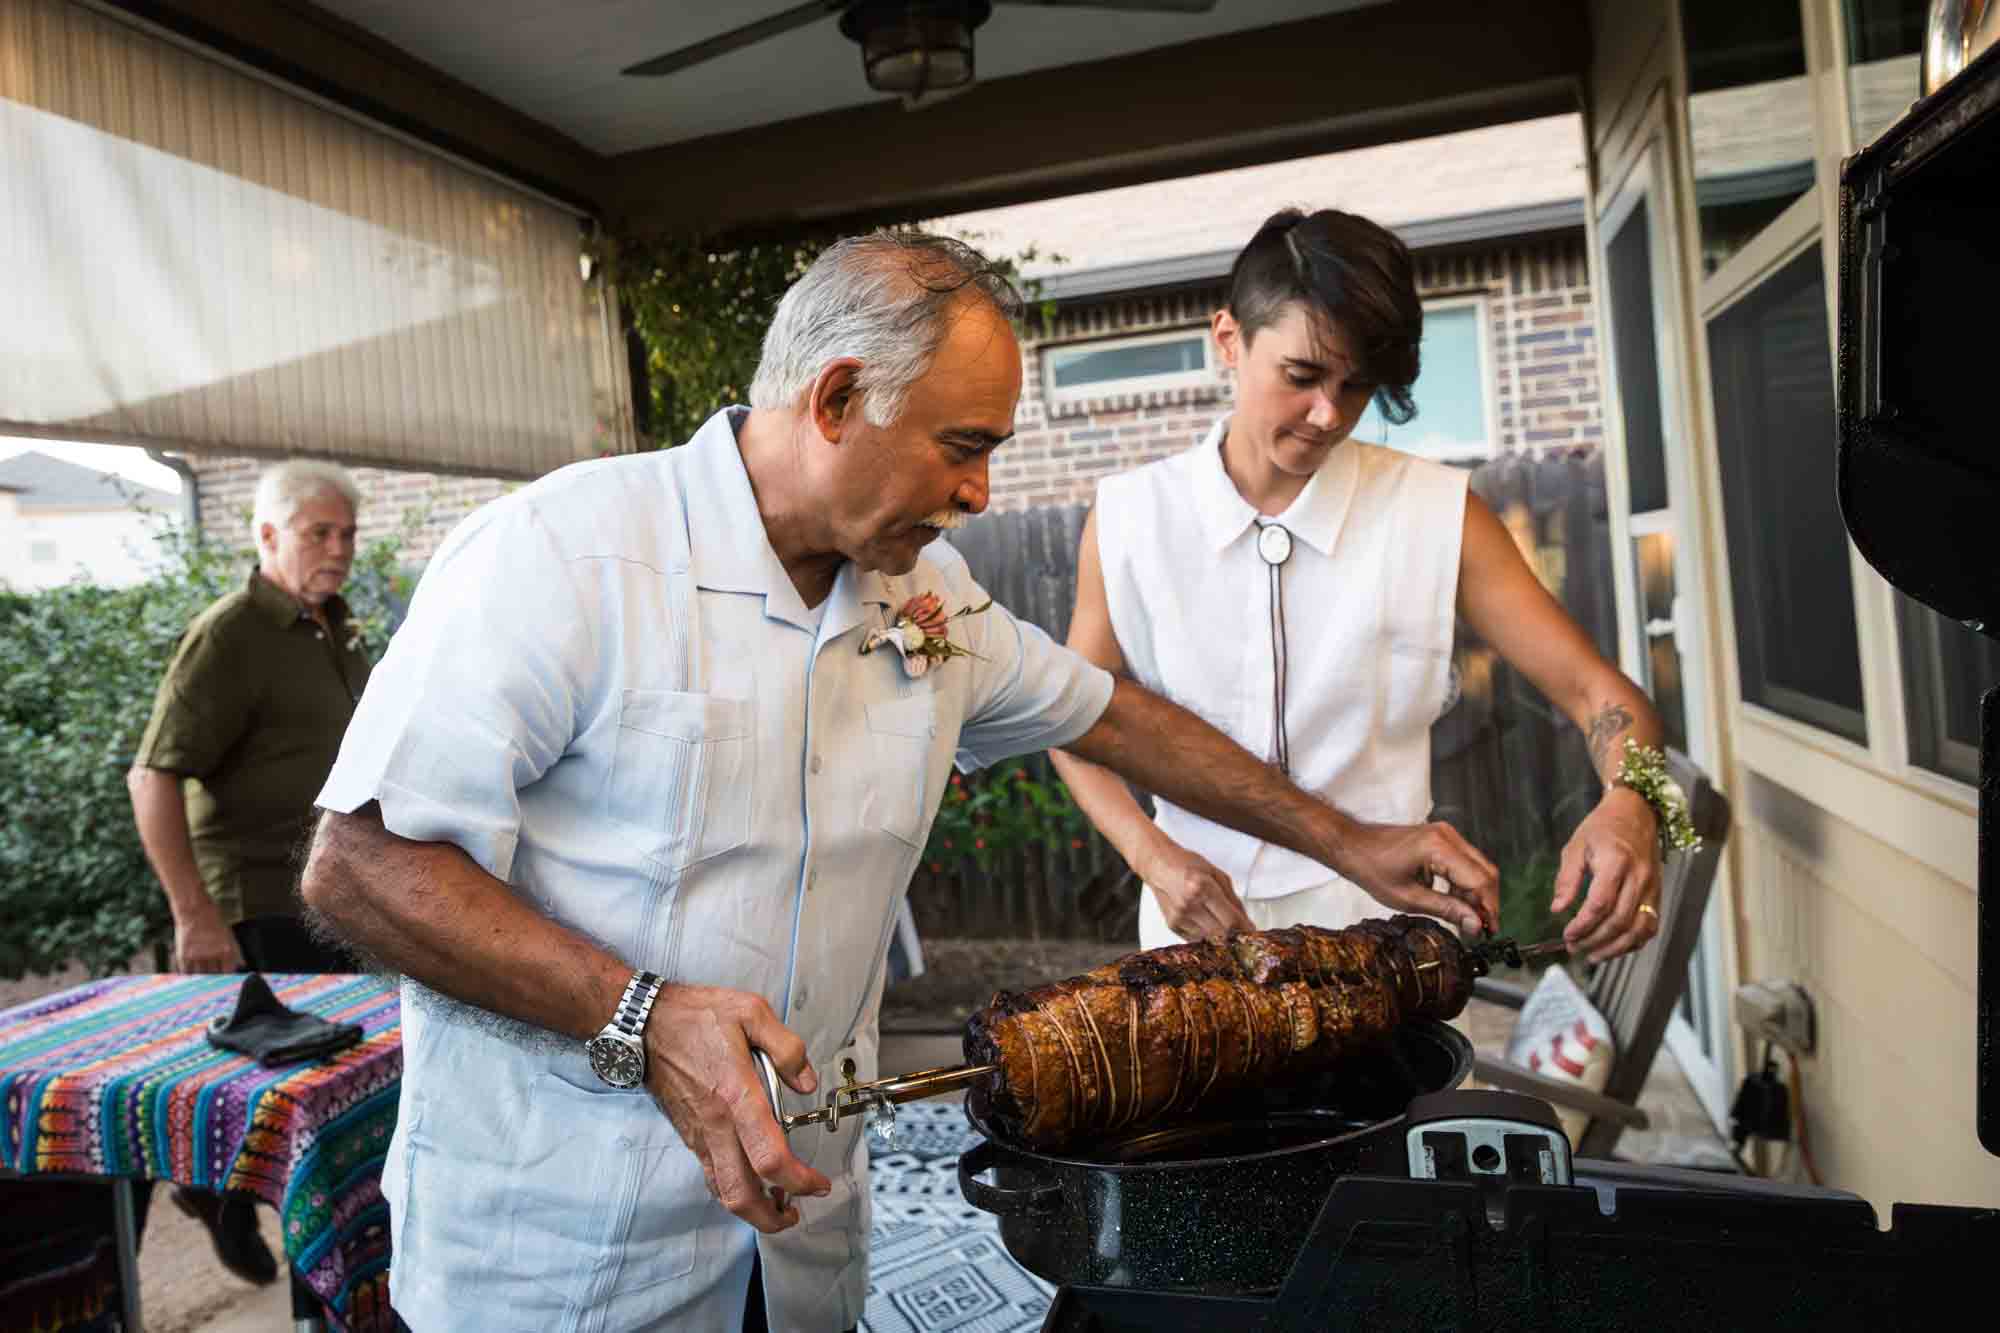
116 1078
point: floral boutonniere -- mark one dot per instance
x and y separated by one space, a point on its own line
919 633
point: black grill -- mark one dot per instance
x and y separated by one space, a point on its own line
1679 1252
1918 468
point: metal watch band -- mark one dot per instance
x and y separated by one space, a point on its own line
637 1002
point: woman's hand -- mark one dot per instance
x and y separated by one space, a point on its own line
1618 845
1197 900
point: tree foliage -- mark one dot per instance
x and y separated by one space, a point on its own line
700 309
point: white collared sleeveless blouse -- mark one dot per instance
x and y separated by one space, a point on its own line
1370 591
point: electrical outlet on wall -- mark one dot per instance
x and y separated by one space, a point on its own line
1779 1012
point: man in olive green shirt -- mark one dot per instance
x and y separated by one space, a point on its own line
245 728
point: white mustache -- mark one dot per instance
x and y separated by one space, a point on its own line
946 519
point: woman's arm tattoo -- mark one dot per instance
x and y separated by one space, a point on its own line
1605 728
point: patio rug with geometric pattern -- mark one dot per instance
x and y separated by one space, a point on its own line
936 1264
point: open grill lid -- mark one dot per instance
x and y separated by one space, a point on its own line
1918 464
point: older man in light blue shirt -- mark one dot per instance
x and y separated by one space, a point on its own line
626 799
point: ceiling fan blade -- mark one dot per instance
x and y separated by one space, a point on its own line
1155 6
795 17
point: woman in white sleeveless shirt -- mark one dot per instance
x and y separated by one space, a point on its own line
1298 590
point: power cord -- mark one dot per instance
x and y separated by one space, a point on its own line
1799 1121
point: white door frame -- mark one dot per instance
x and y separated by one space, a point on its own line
1647 182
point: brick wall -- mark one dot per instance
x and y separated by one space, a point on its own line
1545 365
229 485
1057 454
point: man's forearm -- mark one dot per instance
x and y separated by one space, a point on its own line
160 811
1172 753
429 912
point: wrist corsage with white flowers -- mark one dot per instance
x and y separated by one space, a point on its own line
921 633
1644 770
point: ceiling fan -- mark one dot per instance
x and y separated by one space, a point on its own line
910 47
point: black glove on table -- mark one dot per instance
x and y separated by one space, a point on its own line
269 1033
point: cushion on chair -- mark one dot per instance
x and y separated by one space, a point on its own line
1560 1035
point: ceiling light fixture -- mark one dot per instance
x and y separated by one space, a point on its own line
915 48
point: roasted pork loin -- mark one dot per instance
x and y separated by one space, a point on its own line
1158 1035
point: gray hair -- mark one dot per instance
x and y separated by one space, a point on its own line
283 488
885 299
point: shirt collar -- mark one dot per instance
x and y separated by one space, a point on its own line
728 549
855 592
285 610
1314 516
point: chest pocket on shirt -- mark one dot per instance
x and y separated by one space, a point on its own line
899 795
682 775
1419 681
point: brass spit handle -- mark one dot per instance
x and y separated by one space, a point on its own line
851 1098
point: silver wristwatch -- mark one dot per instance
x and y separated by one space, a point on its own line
618 1053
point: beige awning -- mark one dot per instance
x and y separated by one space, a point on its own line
193 256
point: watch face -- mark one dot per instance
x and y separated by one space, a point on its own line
615 1062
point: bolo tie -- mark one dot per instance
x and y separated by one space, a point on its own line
1274 545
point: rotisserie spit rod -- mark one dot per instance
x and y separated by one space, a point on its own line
1159 1034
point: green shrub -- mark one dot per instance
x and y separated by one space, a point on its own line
78 668
999 810
1526 888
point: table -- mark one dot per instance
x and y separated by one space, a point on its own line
115 1079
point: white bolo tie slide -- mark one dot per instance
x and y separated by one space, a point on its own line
1274 545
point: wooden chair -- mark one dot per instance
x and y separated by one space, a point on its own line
1636 993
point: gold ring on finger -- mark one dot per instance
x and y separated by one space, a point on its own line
1650 911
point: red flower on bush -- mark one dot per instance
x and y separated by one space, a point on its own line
1003 813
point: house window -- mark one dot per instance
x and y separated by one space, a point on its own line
43 553
1788 566
1750 118
1629 264
1884 64
1453 391
1946 667
1076 372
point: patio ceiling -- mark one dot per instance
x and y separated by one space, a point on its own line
786 132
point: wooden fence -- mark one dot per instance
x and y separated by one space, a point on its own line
1507 770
